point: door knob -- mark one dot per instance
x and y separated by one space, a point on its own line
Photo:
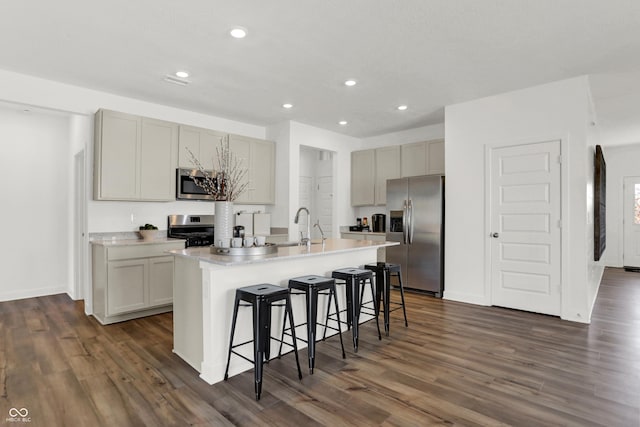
495 235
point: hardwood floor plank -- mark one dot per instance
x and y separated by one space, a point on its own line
112 407
62 401
196 412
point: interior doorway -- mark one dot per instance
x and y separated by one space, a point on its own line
316 190
631 221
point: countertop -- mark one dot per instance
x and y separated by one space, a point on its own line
133 242
331 246
364 232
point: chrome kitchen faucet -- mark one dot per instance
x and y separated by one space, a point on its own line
306 240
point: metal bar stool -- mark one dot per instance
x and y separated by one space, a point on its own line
354 278
312 286
383 272
261 298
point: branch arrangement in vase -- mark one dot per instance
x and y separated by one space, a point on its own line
228 181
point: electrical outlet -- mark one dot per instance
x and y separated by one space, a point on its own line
133 218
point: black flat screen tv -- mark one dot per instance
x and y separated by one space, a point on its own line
599 205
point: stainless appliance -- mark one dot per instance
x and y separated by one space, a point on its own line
378 223
197 230
186 187
415 210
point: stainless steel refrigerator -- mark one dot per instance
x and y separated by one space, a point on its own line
415 218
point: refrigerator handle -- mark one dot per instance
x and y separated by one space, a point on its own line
410 231
405 213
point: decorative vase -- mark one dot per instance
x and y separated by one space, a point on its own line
223 222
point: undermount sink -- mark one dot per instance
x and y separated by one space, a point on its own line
288 244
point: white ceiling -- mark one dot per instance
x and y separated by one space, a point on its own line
423 53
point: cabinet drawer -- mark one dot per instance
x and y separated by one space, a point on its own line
142 251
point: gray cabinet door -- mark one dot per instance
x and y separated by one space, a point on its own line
117 156
160 281
363 177
158 148
126 286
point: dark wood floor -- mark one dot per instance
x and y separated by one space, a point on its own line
456 364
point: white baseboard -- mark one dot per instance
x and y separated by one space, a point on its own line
32 293
466 298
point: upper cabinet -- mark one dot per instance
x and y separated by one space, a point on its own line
370 170
135 157
202 143
422 158
363 177
158 149
387 167
258 157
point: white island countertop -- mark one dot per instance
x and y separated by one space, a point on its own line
330 247
135 242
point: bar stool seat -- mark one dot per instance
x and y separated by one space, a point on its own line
311 286
261 298
354 278
383 273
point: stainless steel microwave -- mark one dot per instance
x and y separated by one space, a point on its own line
187 189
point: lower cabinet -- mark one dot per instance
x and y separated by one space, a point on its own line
161 276
131 281
126 286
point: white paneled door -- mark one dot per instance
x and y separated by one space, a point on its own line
525 227
631 253
325 206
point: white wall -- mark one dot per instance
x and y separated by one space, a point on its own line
558 110
35 169
300 134
281 134
621 161
595 270
79 139
425 133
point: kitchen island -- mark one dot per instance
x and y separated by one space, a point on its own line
204 291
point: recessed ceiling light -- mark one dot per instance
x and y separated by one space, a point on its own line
238 32
342 122
182 74
350 82
287 105
402 107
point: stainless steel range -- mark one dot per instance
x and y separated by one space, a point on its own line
197 230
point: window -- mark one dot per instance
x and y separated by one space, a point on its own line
636 204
